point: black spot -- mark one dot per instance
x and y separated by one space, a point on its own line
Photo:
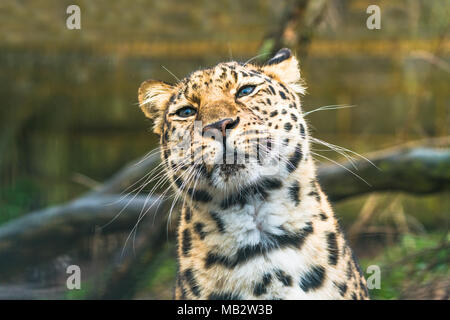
364 288
283 96
271 184
219 222
199 195
186 243
283 111
302 131
203 171
269 102
223 74
261 287
354 296
224 296
312 279
349 270
342 287
198 227
294 117
214 258
187 214
315 195
235 75
333 250
185 166
284 278
323 216
190 279
166 154
287 126
294 190
273 113
314 192
166 136
260 188
295 159
284 87
272 90
195 99
181 287
177 181
356 264
245 254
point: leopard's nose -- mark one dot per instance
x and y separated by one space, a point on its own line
223 125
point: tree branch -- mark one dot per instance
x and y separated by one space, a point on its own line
417 170
45 234
295 28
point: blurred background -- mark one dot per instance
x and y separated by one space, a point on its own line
70 121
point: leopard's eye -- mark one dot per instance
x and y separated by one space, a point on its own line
245 91
186 112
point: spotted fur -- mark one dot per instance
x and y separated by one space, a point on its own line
257 229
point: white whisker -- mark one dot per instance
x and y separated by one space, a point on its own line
171 73
342 166
255 57
330 107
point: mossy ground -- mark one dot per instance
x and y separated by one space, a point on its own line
411 268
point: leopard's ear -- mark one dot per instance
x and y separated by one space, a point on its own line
284 67
153 98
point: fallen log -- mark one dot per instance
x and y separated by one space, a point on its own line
45 234
419 170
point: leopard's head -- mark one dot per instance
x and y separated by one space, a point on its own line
229 126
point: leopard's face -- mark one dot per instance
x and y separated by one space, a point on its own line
229 126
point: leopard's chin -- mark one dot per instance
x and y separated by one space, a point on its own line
229 170
227 178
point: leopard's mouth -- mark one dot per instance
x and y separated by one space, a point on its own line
238 163
228 170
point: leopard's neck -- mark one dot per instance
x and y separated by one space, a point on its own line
285 230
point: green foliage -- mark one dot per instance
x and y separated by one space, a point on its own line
416 261
159 282
265 50
17 199
81 294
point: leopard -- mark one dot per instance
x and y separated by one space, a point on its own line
254 222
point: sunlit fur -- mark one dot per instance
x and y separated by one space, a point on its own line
261 229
